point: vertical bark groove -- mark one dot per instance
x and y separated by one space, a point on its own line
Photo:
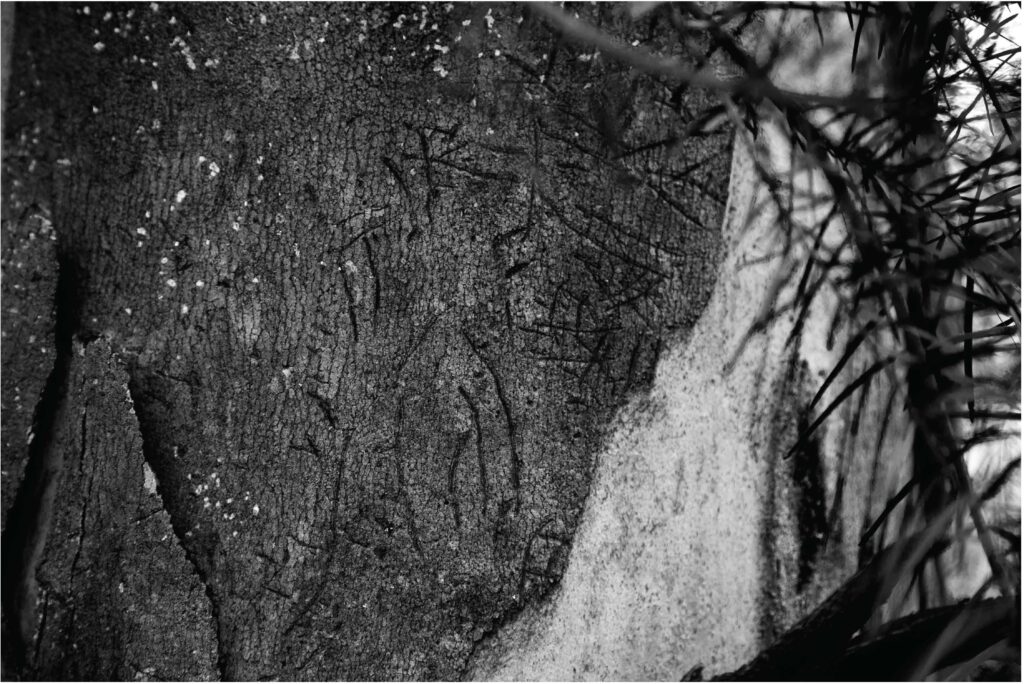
28 522
168 480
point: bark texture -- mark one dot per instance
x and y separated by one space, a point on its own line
346 297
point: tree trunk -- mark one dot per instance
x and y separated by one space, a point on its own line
346 297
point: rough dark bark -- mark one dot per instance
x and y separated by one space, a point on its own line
374 278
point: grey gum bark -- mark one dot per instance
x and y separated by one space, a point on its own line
360 286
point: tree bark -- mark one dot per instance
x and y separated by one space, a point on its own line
372 281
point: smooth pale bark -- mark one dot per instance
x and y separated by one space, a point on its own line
704 539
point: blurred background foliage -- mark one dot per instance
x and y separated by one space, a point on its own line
921 167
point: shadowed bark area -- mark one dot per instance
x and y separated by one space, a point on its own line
375 279
118 597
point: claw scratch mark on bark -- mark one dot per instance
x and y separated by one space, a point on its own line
410 512
351 308
376 277
453 468
481 463
509 419
337 532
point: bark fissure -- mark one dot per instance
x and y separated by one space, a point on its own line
167 481
31 514
83 529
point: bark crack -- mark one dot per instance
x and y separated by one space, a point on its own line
167 482
29 520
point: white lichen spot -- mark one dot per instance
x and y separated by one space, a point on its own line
107 16
128 310
200 283
155 7
171 282
98 47
141 231
184 309
490 21
263 19
235 226
148 478
497 53
467 22
85 10
95 109
180 196
214 169
286 372
255 509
